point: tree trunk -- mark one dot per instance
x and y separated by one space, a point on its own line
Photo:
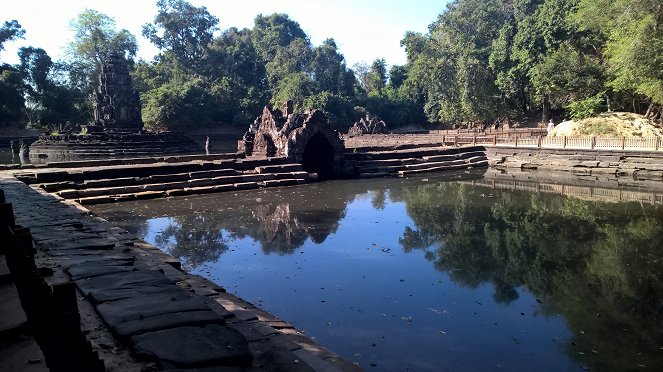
607 102
649 111
545 116
523 97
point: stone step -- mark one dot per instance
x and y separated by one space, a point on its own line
462 155
132 181
376 174
410 153
433 164
386 162
113 172
112 198
160 187
281 168
478 164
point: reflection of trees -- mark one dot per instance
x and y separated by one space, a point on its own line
193 239
597 264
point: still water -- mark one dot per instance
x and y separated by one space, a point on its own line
432 274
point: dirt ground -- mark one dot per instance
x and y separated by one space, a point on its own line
613 124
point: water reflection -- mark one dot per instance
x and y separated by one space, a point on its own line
524 280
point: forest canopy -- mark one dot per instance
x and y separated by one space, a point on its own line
481 61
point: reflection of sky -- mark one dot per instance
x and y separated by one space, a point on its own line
155 226
359 294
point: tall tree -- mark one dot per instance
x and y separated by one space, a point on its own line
95 37
275 31
50 101
182 29
377 76
634 49
10 30
11 85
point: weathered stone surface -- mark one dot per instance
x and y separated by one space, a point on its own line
105 283
165 321
142 306
204 347
85 271
115 103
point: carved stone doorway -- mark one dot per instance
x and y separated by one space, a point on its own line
318 157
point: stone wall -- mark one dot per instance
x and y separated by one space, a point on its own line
639 165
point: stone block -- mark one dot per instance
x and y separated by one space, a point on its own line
204 347
166 321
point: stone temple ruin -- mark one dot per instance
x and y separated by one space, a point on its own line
115 104
116 129
306 138
369 125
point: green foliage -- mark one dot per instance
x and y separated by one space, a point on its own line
567 75
182 29
10 30
95 37
377 76
180 105
11 97
339 109
585 108
634 46
50 100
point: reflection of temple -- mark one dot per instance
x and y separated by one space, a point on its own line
115 103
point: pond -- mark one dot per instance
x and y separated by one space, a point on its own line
433 273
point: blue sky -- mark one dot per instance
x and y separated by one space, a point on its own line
363 29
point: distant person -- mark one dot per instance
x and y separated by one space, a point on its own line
551 126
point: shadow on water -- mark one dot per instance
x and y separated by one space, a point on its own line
524 279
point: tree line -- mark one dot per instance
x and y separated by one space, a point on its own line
481 61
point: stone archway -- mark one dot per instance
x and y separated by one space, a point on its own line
318 157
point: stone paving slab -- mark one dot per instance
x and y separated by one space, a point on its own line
168 301
166 321
83 271
201 348
110 282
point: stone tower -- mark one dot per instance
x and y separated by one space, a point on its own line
115 104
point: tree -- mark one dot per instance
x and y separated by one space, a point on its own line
182 29
329 71
11 99
361 71
566 75
95 37
9 31
634 45
377 76
397 76
52 102
11 86
270 33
